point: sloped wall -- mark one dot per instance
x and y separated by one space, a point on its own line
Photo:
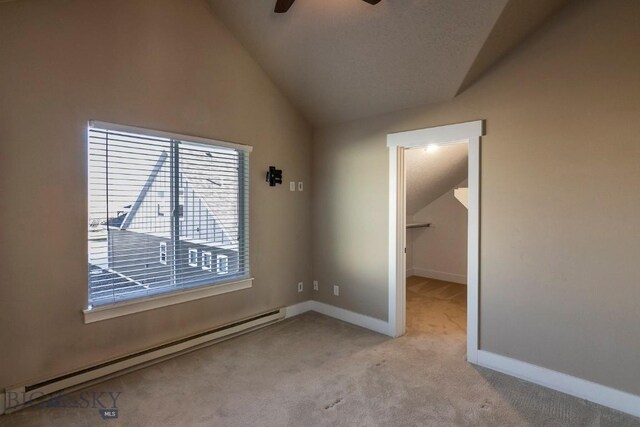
440 251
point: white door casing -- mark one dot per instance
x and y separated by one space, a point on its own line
470 133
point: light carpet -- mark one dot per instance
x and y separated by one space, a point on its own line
312 370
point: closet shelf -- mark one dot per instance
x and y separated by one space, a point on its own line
419 225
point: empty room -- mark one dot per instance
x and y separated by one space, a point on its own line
319 212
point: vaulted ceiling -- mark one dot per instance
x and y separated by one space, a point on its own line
340 60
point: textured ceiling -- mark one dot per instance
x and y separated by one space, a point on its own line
340 60
430 175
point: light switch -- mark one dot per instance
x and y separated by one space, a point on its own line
300 186
292 186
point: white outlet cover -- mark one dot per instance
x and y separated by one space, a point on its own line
315 285
300 286
292 186
300 187
336 290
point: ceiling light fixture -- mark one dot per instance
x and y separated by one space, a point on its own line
432 148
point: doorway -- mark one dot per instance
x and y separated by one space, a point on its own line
436 241
469 133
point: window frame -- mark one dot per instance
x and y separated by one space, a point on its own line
194 262
125 307
207 260
163 253
219 258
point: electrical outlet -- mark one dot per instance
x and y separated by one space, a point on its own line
336 290
292 186
315 285
300 187
300 286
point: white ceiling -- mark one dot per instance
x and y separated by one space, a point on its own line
430 175
340 60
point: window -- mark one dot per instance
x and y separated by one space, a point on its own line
206 260
222 264
149 190
193 257
163 253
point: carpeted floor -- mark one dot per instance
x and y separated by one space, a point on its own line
313 370
436 308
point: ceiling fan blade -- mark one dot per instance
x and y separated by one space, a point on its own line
283 5
372 1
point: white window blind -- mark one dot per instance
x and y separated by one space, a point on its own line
157 201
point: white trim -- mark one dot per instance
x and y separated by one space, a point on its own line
354 318
296 309
397 242
124 308
163 253
191 262
597 393
168 135
469 132
473 250
439 275
436 135
207 265
410 272
222 259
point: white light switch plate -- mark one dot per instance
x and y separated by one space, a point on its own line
336 290
292 186
315 285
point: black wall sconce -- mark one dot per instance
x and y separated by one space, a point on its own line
274 176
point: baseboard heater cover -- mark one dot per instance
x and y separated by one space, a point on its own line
32 394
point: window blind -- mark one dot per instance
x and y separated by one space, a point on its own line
166 213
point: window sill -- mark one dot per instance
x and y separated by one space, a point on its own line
129 307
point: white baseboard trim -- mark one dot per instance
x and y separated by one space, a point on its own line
597 393
354 318
410 272
367 322
301 307
440 275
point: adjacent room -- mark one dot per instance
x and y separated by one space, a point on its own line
436 239
319 212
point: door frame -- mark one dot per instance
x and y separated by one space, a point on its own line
467 132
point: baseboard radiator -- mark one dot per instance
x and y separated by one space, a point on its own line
19 397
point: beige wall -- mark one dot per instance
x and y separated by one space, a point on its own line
161 64
440 251
560 277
